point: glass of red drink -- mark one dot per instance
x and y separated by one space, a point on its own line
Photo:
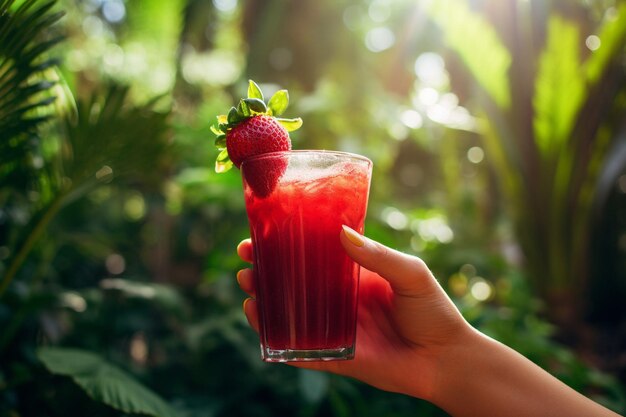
306 285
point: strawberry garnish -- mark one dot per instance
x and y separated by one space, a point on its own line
253 128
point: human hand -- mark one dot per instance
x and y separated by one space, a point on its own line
406 322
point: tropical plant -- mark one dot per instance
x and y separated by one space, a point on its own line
548 116
104 139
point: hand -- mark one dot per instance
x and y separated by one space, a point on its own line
411 339
406 322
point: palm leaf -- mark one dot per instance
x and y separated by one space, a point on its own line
475 40
107 139
559 87
110 132
25 91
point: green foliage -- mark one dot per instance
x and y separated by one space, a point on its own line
117 238
548 173
464 30
559 88
104 382
27 80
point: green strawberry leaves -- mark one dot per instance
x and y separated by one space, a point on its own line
290 124
223 162
254 91
279 102
249 107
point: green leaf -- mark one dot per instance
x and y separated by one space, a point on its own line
290 124
256 105
220 141
254 91
223 162
612 37
464 30
279 102
233 116
104 382
559 86
216 130
243 108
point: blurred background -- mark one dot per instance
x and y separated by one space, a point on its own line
498 135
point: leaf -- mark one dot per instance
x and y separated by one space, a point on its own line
220 141
104 382
223 162
233 116
243 109
254 91
612 37
279 102
290 124
559 86
26 85
256 105
216 130
478 45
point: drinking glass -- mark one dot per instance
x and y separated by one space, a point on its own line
306 285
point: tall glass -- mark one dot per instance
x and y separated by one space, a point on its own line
306 285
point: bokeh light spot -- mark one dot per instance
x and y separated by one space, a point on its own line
593 42
115 264
395 218
475 154
480 289
114 11
281 58
412 119
430 69
226 6
379 39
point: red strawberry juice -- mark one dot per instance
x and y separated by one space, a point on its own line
306 285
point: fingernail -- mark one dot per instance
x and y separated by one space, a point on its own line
238 277
244 303
355 238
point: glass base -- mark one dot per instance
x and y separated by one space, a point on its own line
306 355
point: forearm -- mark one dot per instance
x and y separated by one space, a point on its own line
486 378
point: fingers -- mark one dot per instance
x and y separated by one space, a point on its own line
408 275
252 314
244 250
245 279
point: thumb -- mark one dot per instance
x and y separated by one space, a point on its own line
408 275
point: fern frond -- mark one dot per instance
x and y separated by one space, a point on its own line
25 93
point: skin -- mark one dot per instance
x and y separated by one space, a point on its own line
411 339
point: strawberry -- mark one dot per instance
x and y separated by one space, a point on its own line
251 129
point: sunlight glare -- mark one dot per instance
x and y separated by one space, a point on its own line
412 119
379 39
428 96
379 11
114 11
475 154
395 218
226 6
352 17
593 42
480 289
430 69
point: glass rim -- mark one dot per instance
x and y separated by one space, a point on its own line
347 155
